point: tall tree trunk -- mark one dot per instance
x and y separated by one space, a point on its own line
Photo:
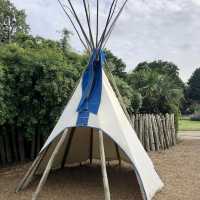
38 141
33 147
20 140
2 151
7 145
14 146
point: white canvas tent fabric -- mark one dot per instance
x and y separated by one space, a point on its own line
112 120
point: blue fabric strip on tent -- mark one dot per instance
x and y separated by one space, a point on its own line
91 88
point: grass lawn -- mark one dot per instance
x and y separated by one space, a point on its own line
188 125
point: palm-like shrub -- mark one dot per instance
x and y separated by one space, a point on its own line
159 92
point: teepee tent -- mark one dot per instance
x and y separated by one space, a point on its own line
95 123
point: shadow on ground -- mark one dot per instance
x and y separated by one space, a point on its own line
79 183
178 167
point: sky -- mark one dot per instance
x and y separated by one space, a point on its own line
147 30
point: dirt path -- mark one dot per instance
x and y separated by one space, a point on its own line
192 135
178 167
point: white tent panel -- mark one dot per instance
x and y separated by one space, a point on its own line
112 120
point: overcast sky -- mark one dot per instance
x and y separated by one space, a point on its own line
147 30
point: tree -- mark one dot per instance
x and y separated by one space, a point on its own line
12 21
159 92
64 42
132 99
3 106
162 67
193 90
37 81
5 150
116 65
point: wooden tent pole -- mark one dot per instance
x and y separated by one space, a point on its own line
114 85
68 147
30 173
118 154
91 145
49 165
74 26
103 166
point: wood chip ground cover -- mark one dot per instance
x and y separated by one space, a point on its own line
178 167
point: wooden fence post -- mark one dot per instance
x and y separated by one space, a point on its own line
151 135
155 133
160 132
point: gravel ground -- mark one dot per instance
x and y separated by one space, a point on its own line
179 168
189 135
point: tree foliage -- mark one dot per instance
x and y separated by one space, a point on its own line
39 82
162 67
116 65
131 98
12 21
193 91
159 92
3 106
64 42
37 78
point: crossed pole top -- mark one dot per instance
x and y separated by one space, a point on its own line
93 38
